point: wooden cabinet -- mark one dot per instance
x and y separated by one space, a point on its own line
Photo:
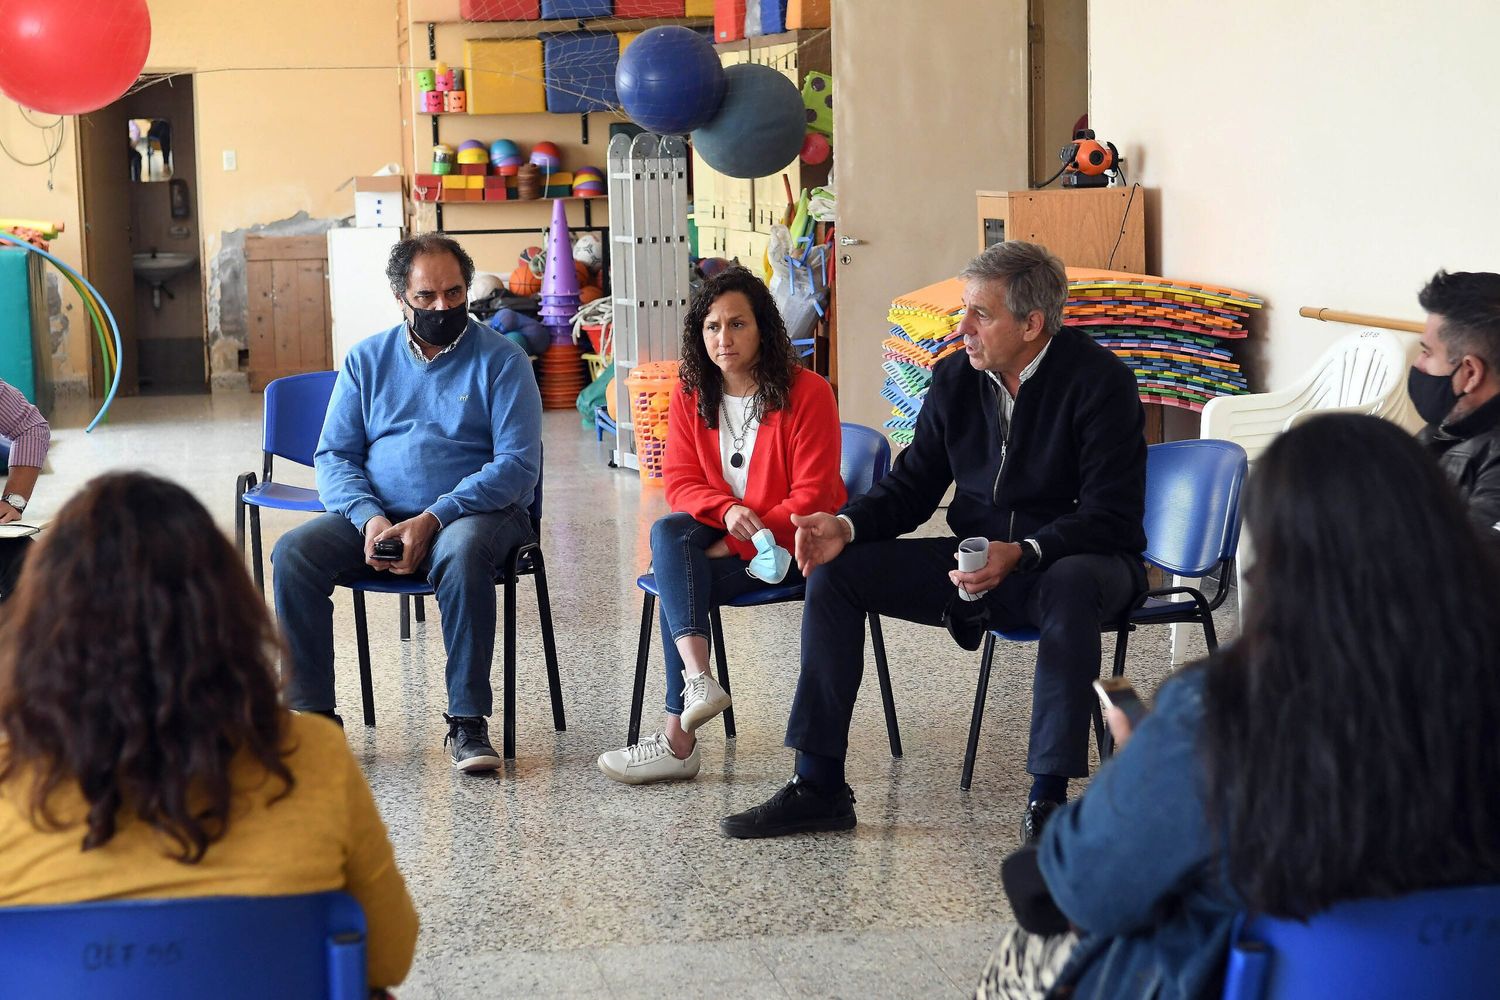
290 331
1085 227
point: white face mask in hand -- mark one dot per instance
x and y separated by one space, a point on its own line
771 561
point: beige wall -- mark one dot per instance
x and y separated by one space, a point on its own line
305 93
1328 154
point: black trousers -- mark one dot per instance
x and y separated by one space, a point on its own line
907 578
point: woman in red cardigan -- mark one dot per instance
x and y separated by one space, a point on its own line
752 438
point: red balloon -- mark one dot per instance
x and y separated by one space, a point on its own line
70 57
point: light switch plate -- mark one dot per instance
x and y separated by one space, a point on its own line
231 161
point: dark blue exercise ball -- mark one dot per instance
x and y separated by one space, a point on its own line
759 127
670 81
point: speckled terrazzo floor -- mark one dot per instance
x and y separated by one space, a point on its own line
547 879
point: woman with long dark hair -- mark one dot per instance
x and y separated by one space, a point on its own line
144 751
752 439
1342 748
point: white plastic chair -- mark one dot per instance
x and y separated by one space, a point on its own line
1363 372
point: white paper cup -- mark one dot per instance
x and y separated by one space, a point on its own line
973 553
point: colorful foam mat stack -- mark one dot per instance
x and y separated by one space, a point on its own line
924 330
1174 334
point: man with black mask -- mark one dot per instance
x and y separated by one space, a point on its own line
1455 384
427 463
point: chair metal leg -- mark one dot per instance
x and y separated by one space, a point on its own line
642 654
985 660
255 554
549 643
241 485
1210 635
421 611
716 627
509 751
1102 735
362 640
405 618
892 730
1122 641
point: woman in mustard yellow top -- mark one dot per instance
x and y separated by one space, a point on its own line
143 748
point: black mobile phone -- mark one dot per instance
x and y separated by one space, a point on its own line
389 549
1117 692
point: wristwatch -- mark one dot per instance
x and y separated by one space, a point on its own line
17 501
1031 556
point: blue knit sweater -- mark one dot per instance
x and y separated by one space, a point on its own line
459 435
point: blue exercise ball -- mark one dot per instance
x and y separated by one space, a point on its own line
670 81
759 127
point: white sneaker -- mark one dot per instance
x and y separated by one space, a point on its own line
649 760
702 699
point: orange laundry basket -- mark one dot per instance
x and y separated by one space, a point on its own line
650 386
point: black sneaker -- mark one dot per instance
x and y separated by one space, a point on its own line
1035 817
470 736
799 807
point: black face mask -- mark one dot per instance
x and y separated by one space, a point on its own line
439 327
1432 395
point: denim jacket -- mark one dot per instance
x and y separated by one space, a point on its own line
1135 865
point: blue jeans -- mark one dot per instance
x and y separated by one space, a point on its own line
466 557
688 583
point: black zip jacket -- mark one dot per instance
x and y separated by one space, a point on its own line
1072 475
1469 452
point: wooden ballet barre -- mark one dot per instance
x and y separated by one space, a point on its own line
1359 319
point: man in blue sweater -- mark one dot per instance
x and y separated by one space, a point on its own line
432 440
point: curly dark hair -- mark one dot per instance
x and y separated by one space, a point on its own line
775 366
1349 733
405 253
137 661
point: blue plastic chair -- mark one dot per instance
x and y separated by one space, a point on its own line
864 459
227 947
523 560
1192 523
1436 943
295 407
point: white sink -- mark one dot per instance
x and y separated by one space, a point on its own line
158 267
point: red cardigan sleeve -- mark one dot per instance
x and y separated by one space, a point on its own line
689 489
813 444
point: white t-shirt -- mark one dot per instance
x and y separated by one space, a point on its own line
739 409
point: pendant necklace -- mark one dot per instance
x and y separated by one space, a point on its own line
737 458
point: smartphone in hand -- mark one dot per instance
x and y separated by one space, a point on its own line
1117 692
388 550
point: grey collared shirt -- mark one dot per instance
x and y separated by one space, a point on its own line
1007 401
416 348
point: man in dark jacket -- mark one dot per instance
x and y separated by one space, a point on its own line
1039 430
1455 384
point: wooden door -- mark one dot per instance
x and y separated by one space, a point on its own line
930 105
104 182
290 328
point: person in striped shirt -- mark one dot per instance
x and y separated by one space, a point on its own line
26 430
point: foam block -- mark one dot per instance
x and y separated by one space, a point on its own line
500 10
729 20
650 8
580 71
504 76
574 9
